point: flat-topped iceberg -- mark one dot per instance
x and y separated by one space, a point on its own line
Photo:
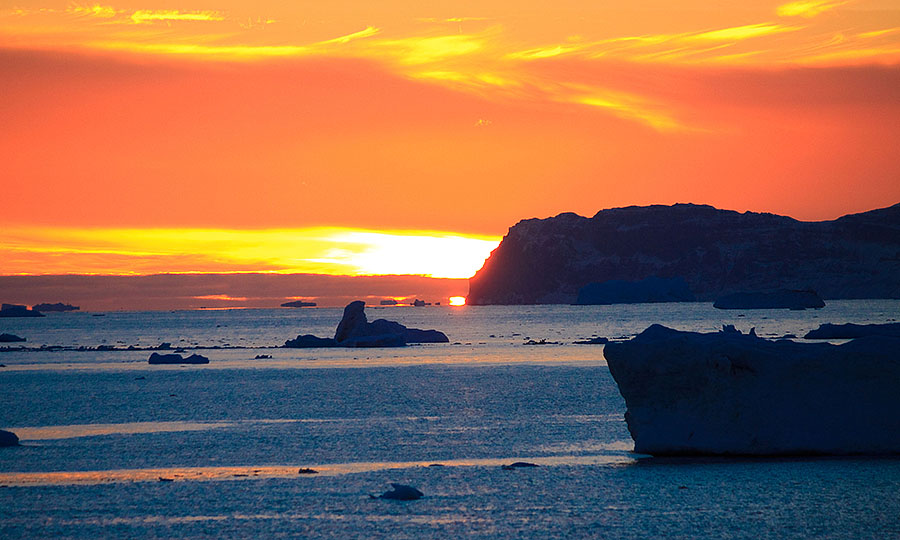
852 331
730 393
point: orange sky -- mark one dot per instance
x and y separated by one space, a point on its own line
239 124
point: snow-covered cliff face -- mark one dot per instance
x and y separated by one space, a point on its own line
736 394
716 252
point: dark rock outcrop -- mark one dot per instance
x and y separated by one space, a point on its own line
309 341
650 290
354 330
353 321
59 306
401 492
15 310
8 438
518 465
852 331
174 358
780 299
592 341
739 394
716 252
10 338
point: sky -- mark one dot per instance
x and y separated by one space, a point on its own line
398 137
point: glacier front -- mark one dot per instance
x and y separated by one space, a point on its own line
728 393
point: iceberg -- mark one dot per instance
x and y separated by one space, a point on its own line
852 331
728 393
173 358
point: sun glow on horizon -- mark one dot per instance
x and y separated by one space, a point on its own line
316 250
222 137
457 300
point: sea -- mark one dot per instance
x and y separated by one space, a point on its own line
268 442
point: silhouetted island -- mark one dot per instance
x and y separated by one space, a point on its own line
15 310
716 252
298 303
59 306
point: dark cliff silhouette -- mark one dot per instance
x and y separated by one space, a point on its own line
716 252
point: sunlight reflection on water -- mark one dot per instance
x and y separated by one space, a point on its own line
198 474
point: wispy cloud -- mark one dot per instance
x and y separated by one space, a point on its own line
879 33
807 8
738 33
235 52
367 32
148 16
430 49
452 19
96 10
627 106
545 52
493 62
222 52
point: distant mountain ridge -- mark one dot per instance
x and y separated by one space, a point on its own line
545 261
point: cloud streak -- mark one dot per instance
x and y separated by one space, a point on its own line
335 251
808 8
145 16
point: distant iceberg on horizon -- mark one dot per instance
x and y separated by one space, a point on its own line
728 393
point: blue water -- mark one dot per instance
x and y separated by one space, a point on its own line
99 430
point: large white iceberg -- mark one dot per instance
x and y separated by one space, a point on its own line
729 393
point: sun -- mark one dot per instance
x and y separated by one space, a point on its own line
457 300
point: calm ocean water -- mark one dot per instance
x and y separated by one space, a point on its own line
99 430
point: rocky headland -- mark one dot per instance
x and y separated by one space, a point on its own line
716 252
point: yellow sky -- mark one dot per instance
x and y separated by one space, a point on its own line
323 250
